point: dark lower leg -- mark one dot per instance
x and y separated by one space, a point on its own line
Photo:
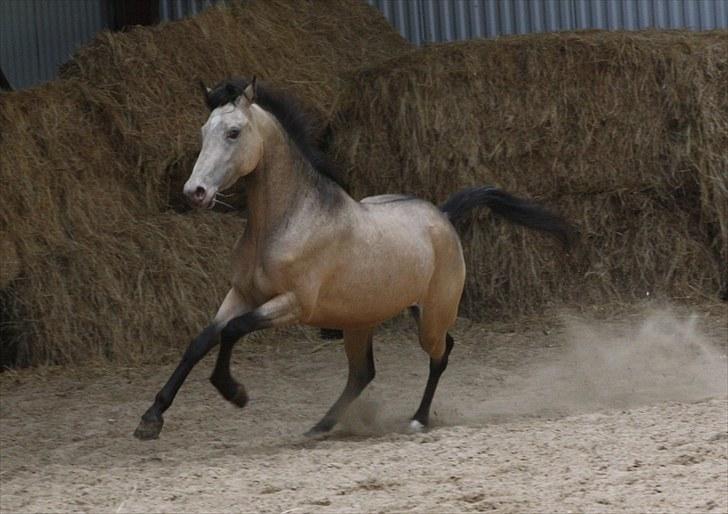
223 381
152 420
436 369
360 374
221 377
280 310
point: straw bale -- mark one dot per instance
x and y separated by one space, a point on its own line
584 116
145 81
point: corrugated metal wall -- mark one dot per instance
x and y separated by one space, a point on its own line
431 21
36 36
176 9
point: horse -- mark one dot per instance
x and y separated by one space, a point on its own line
310 254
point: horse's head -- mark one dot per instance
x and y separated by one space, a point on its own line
231 142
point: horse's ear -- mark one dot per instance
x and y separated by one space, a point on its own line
205 91
251 90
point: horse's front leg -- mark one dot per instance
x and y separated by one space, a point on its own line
279 311
152 420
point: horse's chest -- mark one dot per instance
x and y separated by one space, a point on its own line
272 274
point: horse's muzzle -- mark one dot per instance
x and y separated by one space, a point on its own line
198 196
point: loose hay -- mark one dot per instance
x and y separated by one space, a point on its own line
626 133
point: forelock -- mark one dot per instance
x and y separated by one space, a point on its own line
226 92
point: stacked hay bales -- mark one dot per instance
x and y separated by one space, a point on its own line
144 83
624 133
99 276
98 265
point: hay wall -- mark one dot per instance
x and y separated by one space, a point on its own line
98 275
144 82
624 133
95 263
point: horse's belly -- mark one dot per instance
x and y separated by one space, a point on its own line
374 290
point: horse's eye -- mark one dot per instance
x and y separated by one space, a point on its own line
233 133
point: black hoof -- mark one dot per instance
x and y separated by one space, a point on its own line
148 430
316 434
240 398
321 429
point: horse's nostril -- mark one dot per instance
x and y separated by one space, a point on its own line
200 193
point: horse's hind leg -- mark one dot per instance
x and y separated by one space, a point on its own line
437 366
433 319
359 352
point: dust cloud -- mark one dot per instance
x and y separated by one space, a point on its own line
658 356
661 357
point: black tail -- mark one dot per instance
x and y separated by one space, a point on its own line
516 210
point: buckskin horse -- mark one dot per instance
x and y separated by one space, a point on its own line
313 255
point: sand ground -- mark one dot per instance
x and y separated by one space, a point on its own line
629 413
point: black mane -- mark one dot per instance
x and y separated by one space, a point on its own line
298 125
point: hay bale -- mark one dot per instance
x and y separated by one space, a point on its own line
145 82
156 282
583 117
9 261
102 276
632 246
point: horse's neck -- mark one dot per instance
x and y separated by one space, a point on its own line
276 185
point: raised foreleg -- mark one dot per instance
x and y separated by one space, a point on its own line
228 322
281 310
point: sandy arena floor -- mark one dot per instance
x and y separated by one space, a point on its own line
555 415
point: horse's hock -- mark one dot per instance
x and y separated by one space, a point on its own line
625 133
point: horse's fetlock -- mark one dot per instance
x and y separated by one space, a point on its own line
363 377
216 381
370 376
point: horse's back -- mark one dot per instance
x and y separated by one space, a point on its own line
410 213
388 198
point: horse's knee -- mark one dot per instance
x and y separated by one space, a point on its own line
245 324
235 329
